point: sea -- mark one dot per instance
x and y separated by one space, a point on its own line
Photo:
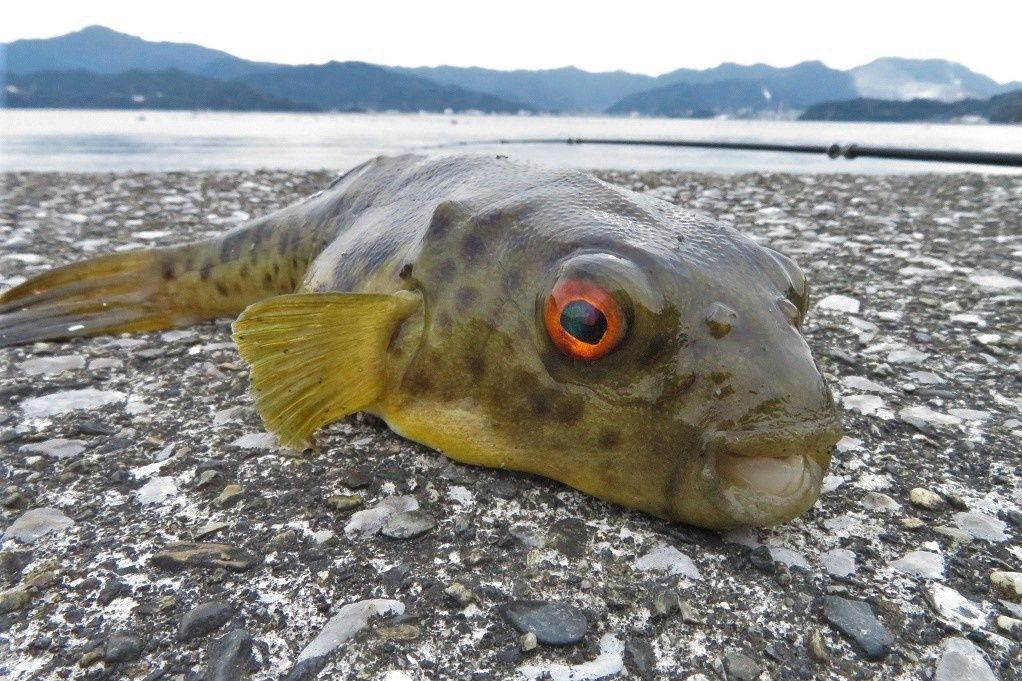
89 141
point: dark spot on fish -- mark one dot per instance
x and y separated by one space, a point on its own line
188 262
445 271
168 270
292 284
276 268
267 280
511 280
206 270
243 272
258 234
443 322
444 216
237 288
406 271
476 366
609 439
568 410
539 403
471 247
221 289
465 297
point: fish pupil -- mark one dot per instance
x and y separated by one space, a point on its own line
584 321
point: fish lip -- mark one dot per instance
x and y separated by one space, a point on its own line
746 506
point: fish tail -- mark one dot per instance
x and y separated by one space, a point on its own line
153 289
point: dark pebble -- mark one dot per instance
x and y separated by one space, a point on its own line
230 657
122 648
570 536
855 619
202 619
112 590
741 667
307 670
762 560
553 622
640 658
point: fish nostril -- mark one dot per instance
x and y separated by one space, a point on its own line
790 311
720 319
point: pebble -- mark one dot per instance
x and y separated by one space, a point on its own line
183 555
640 656
58 448
741 667
408 525
665 558
818 648
954 608
962 661
460 593
344 502
348 621
70 400
838 562
13 599
925 564
229 657
855 619
229 495
371 520
553 622
924 498
1007 584
38 366
202 619
122 648
982 526
37 523
839 303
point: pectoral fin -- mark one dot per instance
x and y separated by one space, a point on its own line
317 357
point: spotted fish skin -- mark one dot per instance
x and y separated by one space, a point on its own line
711 398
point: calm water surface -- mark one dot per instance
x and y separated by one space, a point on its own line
76 140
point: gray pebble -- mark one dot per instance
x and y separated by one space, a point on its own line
202 619
553 622
408 525
741 667
122 648
230 657
855 619
37 523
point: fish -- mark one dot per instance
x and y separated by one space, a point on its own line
507 315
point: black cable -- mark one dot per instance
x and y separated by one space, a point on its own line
848 151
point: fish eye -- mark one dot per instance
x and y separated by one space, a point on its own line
583 320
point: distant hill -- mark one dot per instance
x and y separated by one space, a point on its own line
727 89
102 50
1003 108
169 89
897 78
696 100
735 89
550 90
357 86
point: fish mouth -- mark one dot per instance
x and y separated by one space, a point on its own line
766 477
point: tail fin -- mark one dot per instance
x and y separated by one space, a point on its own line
149 289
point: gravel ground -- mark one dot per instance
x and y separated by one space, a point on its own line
154 531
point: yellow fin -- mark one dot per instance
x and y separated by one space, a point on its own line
317 357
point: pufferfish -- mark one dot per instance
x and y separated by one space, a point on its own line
508 316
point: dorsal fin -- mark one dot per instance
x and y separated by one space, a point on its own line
317 357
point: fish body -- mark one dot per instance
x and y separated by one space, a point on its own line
508 316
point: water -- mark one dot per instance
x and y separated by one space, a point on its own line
76 140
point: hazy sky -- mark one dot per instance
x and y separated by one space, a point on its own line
634 35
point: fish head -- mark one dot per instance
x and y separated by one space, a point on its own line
644 354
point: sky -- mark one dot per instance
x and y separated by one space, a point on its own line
641 36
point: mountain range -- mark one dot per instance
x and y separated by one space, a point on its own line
100 67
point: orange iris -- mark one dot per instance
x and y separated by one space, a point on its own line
582 319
